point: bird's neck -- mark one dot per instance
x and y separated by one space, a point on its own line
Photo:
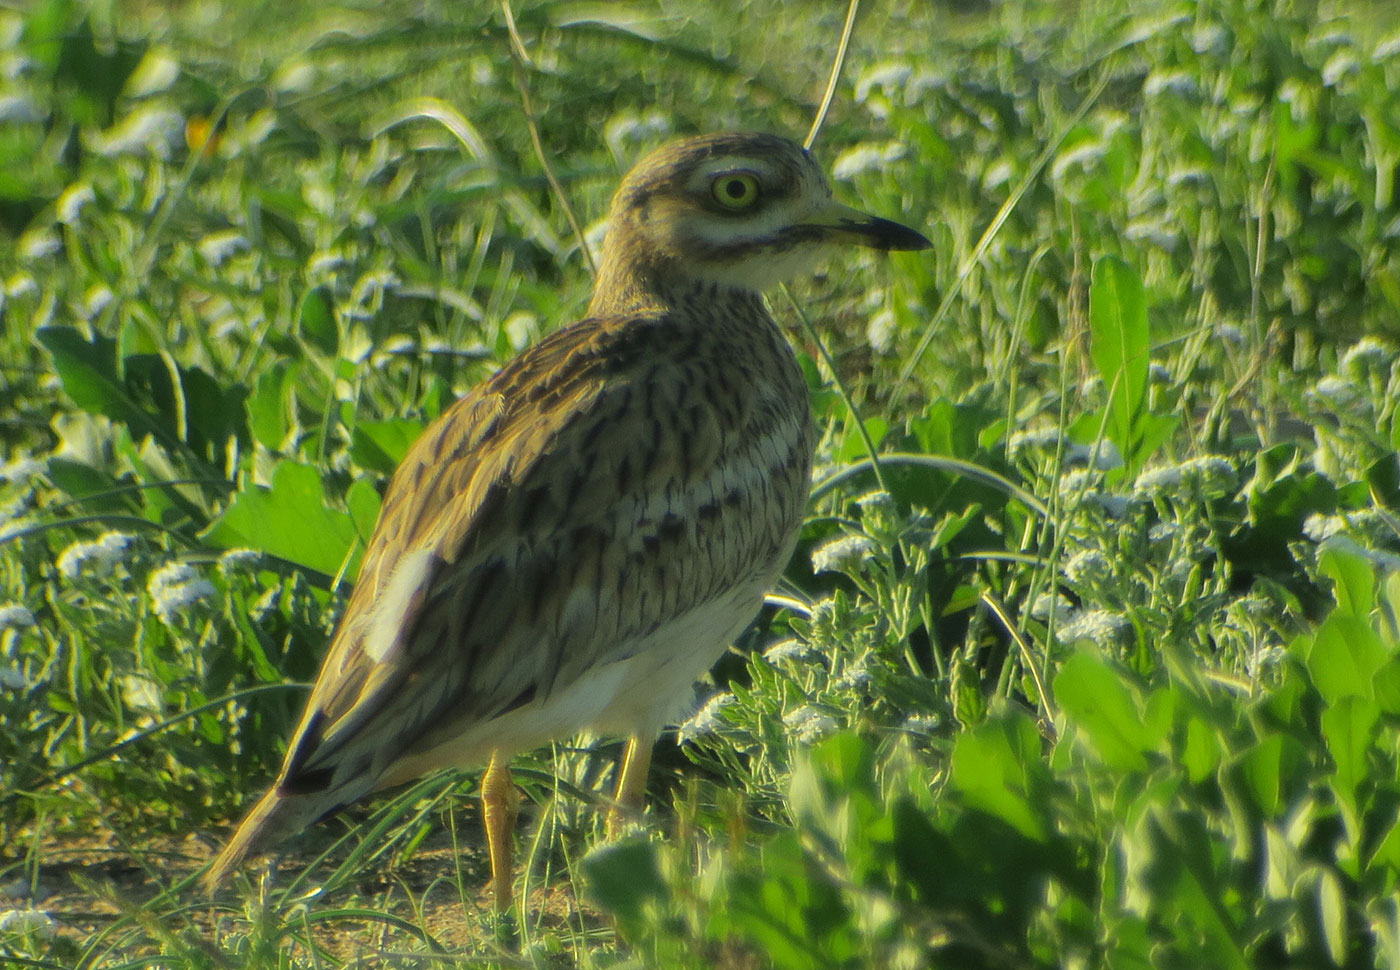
637 283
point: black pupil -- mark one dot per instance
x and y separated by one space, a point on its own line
735 188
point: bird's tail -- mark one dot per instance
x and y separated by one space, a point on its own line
272 819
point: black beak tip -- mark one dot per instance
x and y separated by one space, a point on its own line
890 236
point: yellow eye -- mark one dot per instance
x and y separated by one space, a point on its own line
735 190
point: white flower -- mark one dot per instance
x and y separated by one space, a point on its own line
1047 438
790 649
855 677
141 693
705 721
12 615
238 560
149 131
1100 626
267 602
219 246
888 76
1084 155
1210 474
1230 334
1086 566
1114 506
24 922
12 678
921 723
174 588
323 261
399 345
1158 231
866 157
822 611
1335 390
807 724
93 558
1318 527
877 500
38 244
1052 601
20 110
1338 66
1210 39
1177 82
1366 354
1187 175
881 330
21 284
97 298
72 202
22 470
1164 532
632 128
842 552
1385 50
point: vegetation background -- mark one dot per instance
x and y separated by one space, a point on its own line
1089 654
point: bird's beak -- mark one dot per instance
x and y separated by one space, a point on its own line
844 224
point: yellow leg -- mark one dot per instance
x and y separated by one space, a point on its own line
499 805
631 784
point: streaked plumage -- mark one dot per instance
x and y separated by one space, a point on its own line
575 542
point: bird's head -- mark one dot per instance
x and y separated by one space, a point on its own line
741 211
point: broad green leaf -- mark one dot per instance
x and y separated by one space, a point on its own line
1355 581
316 321
88 370
270 406
624 876
1201 752
1096 699
1181 876
1119 343
362 500
290 520
999 767
1268 770
1383 482
1332 908
381 445
1349 728
1344 656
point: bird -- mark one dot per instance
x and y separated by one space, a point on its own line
576 541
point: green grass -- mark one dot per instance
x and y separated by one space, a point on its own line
1094 663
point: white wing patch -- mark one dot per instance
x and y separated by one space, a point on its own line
406 587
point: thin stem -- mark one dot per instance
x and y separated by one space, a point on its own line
846 31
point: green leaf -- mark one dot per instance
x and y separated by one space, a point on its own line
1344 657
1268 768
271 414
381 445
316 321
1095 698
1332 909
1349 728
999 767
362 500
290 520
1355 581
1119 343
88 371
624 876
1383 482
